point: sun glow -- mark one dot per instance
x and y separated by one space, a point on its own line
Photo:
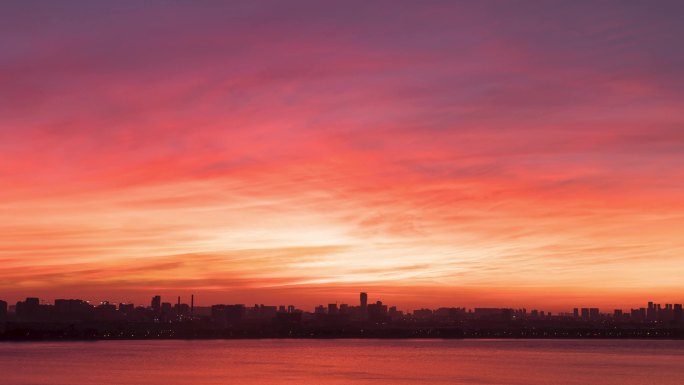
469 157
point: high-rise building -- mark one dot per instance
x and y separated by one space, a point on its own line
126 309
156 303
3 309
69 309
638 314
594 313
228 313
167 309
377 311
28 309
182 310
677 313
585 313
32 301
364 301
650 312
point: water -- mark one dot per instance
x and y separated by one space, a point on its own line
327 362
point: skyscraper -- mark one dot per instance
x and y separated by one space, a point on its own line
677 313
594 313
585 313
364 301
650 313
156 303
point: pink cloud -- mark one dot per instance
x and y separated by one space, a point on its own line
531 148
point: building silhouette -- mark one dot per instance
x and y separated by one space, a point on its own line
79 319
156 304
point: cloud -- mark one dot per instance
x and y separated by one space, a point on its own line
453 146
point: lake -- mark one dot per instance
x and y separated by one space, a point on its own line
218 362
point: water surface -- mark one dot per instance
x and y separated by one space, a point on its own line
327 362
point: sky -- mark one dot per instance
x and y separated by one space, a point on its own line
437 153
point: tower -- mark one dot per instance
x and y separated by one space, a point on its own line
364 301
156 303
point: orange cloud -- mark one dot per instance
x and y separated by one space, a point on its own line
497 158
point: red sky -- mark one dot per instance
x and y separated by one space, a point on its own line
431 153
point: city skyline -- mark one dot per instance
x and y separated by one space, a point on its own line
363 300
419 297
76 319
494 153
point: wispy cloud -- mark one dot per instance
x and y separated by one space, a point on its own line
449 146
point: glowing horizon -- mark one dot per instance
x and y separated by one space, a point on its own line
481 153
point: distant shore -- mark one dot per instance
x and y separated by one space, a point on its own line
14 334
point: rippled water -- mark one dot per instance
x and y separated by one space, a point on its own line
343 362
